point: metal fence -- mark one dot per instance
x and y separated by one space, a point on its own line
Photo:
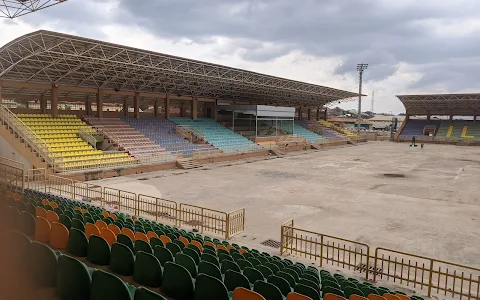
325 249
177 214
434 276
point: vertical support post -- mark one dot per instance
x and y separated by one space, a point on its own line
300 113
325 114
54 101
318 113
125 107
43 104
233 121
136 106
321 250
451 116
309 111
430 278
99 103
167 107
214 111
227 225
428 117
194 108
155 108
88 106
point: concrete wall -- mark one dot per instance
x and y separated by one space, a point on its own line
8 151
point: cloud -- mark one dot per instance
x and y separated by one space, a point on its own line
410 46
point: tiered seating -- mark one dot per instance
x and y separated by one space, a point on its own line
219 136
126 137
347 132
415 127
463 130
177 263
310 136
61 135
327 132
163 133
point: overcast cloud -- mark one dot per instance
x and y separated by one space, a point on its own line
428 46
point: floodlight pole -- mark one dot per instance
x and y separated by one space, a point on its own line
360 68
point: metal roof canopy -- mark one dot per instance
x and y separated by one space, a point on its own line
46 57
441 104
17 8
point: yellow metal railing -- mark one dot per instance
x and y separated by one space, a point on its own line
437 277
325 249
178 214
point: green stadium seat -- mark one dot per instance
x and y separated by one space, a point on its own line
268 290
266 271
77 243
173 248
205 267
73 279
332 290
307 291
208 287
254 261
242 263
287 277
234 279
309 283
125 239
229 265
78 224
42 264
253 274
312 277
272 267
27 223
98 251
349 290
140 245
177 282
187 262
142 293
65 220
121 259
106 286
193 254
163 254
280 283
147 270
210 258
156 242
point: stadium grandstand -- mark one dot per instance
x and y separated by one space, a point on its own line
76 110
441 118
85 105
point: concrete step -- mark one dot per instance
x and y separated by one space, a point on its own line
188 163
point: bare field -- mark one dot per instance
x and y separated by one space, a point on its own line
422 201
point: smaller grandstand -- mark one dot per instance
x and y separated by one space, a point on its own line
449 118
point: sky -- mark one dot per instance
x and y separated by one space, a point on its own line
412 47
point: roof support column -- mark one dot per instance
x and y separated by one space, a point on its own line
125 107
54 101
214 110
428 116
325 114
318 113
194 108
183 109
99 103
451 116
309 114
43 104
88 106
475 116
155 108
300 113
167 107
136 106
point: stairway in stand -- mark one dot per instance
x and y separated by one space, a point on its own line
188 163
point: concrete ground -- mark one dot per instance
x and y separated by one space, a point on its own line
434 210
